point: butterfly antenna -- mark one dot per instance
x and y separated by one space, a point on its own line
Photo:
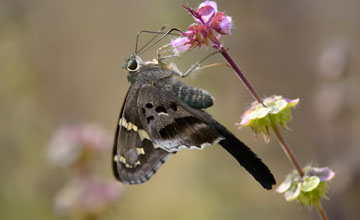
143 49
151 32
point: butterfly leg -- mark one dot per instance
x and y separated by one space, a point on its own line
197 66
164 50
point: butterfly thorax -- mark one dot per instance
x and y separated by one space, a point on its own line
152 73
164 78
146 72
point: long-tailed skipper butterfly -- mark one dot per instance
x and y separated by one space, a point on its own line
160 116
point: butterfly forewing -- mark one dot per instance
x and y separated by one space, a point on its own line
135 159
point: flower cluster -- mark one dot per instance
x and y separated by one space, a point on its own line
209 26
308 189
74 142
75 147
260 118
86 197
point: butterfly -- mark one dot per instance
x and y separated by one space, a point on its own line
162 115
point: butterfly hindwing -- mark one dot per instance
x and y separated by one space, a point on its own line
135 159
169 125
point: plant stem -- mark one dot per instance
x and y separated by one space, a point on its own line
296 164
253 92
281 139
321 211
240 75
287 150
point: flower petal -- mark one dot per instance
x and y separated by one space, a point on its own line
325 173
277 106
284 186
294 192
245 119
209 3
310 183
180 44
207 14
292 102
259 112
221 23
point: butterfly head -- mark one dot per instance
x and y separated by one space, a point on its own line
133 63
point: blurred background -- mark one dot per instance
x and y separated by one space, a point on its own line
60 63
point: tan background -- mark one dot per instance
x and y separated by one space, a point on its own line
61 61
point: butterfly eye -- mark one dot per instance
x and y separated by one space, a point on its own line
132 65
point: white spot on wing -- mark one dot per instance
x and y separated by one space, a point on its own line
128 125
180 147
143 135
140 150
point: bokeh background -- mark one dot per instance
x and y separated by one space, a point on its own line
60 62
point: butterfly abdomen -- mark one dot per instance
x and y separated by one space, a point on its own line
194 97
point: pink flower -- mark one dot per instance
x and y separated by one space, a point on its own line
207 10
222 24
88 196
210 25
71 142
181 44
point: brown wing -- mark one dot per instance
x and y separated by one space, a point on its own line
135 160
170 126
